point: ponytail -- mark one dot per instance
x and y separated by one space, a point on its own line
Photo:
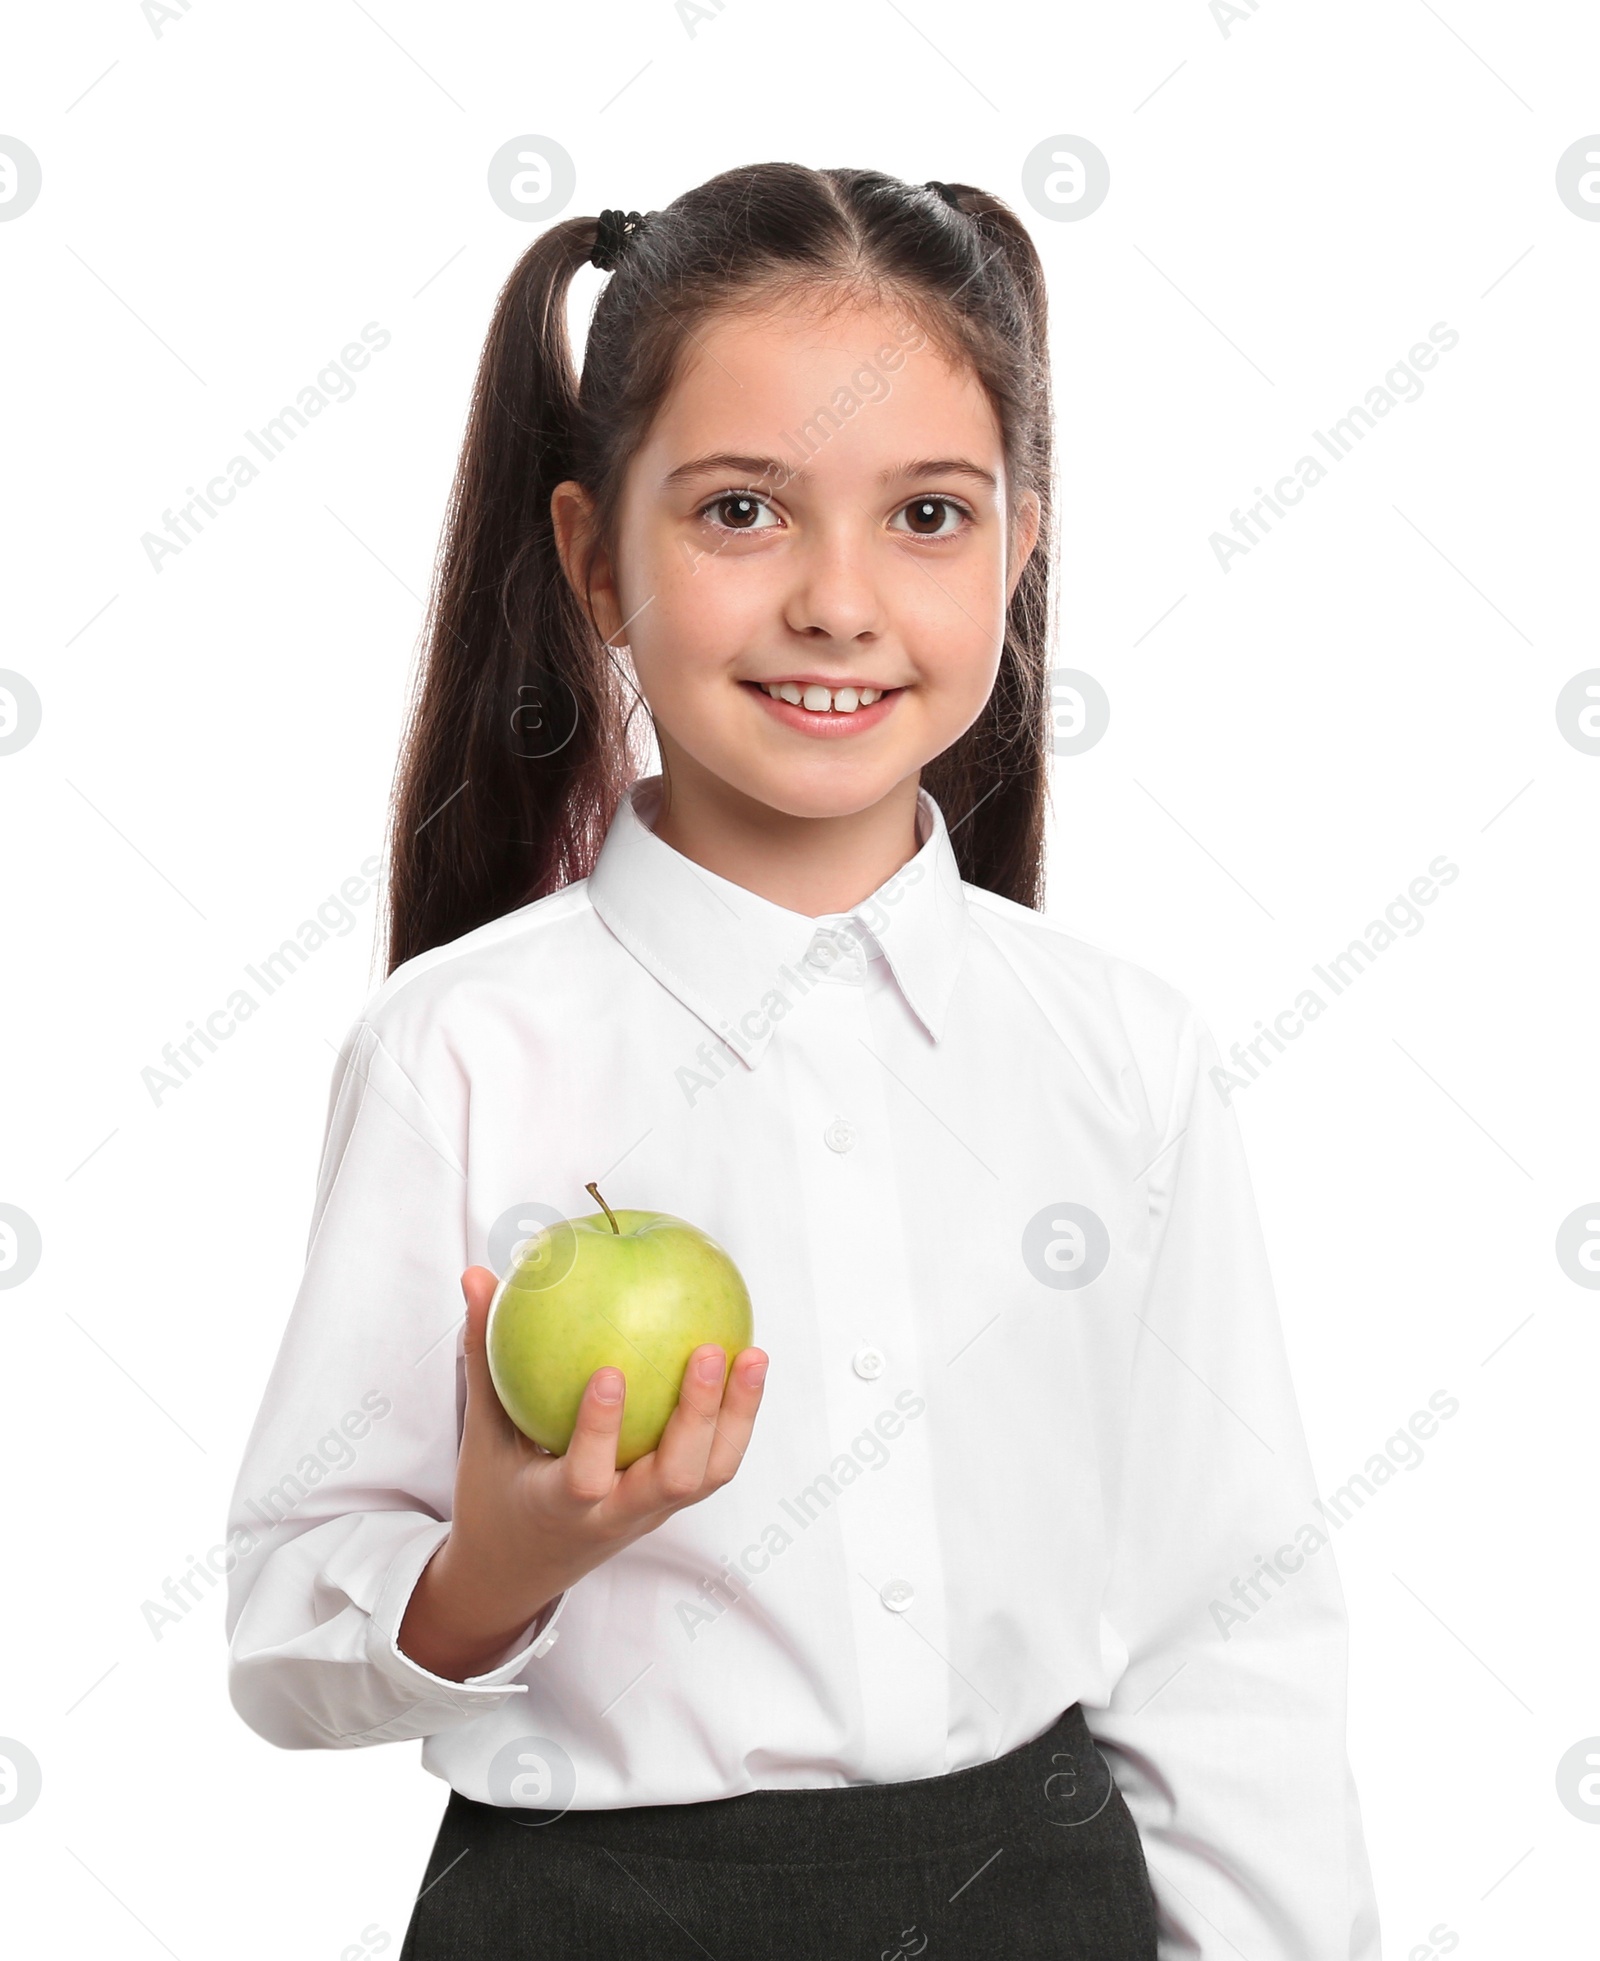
1001 764
514 759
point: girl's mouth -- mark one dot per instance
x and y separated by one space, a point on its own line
826 711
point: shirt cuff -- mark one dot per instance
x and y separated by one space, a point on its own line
478 1691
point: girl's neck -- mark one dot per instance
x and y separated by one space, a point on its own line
809 865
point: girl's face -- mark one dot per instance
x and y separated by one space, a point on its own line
821 508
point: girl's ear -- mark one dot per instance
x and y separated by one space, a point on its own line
1024 536
583 557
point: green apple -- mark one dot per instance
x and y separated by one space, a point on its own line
636 1291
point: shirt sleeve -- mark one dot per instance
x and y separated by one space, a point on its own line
346 1485
1226 1730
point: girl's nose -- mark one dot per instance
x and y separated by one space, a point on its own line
835 593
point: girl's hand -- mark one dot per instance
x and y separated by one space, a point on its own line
527 1525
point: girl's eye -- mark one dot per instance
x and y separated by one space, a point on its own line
927 515
736 510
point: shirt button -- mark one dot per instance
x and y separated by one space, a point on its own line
867 1363
839 1135
837 956
897 1595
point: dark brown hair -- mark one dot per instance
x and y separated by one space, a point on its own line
523 733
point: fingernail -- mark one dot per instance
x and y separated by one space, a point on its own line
710 1366
608 1386
756 1374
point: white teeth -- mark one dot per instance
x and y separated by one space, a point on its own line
842 701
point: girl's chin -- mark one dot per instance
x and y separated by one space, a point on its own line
814 780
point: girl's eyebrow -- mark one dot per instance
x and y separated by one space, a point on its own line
755 468
940 466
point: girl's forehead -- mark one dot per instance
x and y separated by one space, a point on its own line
784 364
807 326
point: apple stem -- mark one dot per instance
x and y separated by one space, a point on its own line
606 1209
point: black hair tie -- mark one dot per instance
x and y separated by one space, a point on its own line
613 233
946 191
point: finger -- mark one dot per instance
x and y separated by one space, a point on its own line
679 1465
589 1468
485 1417
740 1401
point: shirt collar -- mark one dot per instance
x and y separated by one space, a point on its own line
724 951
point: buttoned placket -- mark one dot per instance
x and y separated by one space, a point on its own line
867 1329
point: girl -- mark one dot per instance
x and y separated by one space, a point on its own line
1000 1621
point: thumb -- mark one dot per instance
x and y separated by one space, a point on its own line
478 1284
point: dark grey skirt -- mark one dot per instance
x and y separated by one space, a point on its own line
1032 1855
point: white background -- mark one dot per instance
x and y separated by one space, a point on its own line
1293 204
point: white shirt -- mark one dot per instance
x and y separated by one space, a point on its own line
1028 1423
